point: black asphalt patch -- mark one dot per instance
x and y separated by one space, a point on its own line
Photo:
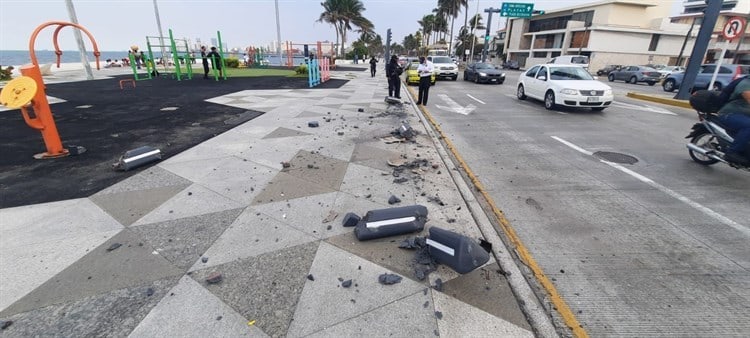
118 120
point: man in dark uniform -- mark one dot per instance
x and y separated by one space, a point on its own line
205 62
392 72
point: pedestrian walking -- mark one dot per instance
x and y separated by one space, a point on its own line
205 62
425 80
373 64
393 72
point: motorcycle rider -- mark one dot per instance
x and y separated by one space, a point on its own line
735 115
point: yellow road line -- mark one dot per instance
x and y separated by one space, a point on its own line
562 308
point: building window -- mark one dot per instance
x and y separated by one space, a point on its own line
580 39
654 42
540 54
555 54
586 17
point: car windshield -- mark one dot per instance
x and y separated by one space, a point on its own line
441 59
413 66
569 73
483 66
647 69
579 60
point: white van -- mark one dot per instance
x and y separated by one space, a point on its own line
581 60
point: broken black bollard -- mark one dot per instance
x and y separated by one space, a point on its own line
406 131
391 222
351 219
457 251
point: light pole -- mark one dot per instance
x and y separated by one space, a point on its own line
473 28
79 40
164 55
278 32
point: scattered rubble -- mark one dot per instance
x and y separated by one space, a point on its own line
5 324
393 200
438 315
438 285
361 110
351 219
114 246
330 217
389 279
149 292
214 278
286 164
347 283
310 277
313 124
204 259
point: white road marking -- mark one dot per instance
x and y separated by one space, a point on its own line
644 108
475 99
695 205
454 106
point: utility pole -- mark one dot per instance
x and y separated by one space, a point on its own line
473 28
487 33
164 54
278 34
699 49
79 40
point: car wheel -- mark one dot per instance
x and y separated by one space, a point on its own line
669 85
633 80
549 100
521 93
717 86
651 83
476 79
611 78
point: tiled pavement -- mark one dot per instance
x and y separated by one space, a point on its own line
228 206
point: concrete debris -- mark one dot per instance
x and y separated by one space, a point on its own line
204 259
351 219
391 139
397 162
347 283
393 200
219 318
389 279
310 166
5 324
313 124
436 199
331 216
214 277
438 284
114 246
149 292
286 165
435 166
400 180
413 243
438 315
453 220
361 110
406 131
341 133
426 304
310 277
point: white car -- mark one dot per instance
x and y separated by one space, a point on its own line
444 67
564 85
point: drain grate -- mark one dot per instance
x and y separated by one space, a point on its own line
616 157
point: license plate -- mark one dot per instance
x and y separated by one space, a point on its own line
592 99
493 80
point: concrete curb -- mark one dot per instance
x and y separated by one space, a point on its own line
662 100
537 315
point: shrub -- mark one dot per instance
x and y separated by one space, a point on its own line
233 62
301 69
6 74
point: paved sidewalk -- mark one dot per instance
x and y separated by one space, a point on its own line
133 259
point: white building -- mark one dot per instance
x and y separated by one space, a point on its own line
738 50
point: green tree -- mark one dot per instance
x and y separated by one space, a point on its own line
344 15
411 44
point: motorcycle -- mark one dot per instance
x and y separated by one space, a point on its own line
708 142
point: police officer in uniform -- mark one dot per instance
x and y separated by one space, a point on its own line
425 77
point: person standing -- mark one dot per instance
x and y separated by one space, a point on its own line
205 62
373 64
215 60
425 78
735 115
392 72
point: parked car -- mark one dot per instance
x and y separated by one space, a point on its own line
444 67
483 72
607 69
564 85
511 64
727 73
665 71
412 77
635 74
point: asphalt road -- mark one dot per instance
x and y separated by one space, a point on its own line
654 248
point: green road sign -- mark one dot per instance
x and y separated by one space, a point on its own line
516 10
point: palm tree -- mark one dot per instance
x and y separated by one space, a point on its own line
344 14
451 8
427 23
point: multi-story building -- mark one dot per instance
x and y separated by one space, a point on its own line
609 32
737 50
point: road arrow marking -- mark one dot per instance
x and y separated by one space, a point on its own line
454 106
475 99
644 108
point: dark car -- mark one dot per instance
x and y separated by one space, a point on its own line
511 64
727 73
607 69
483 72
635 74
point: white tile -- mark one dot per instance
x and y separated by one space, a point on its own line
192 201
463 320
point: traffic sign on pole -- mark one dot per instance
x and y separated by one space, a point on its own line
516 10
734 27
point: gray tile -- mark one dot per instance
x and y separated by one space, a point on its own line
325 171
265 288
129 206
178 316
98 272
362 181
111 314
192 201
324 302
284 132
463 320
154 177
406 317
252 234
311 114
488 290
373 157
183 241
285 186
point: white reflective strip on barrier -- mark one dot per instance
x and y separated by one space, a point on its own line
138 157
441 247
379 224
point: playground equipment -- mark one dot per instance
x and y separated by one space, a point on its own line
257 57
135 64
318 71
321 51
27 92
182 54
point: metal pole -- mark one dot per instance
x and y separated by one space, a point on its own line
161 37
486 48
79 40
278 32
699 49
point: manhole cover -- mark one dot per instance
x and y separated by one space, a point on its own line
616 157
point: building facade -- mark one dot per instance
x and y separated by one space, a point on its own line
738 50
619 32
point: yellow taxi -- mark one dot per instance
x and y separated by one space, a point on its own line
412 77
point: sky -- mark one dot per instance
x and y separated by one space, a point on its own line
118 24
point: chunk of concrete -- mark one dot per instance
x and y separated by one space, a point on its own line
351 219
313 124
389 279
